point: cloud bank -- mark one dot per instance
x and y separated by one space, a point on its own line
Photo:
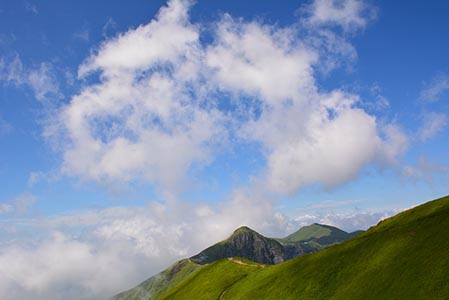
96 254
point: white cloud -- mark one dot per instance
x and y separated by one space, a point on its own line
433 123
146 119
167 39
12 71
63 268
260 61
154 113
424 170
96 254
5 127
310 136
41 80
19 205
24 202
435 89
348 14
108 26
6 208
31 8
348 222
83 35
396 143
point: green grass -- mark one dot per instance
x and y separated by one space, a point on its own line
213 280
159 284
404 257
323 235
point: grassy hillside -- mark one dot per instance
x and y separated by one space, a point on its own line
322 235
204 284
404 257
159 284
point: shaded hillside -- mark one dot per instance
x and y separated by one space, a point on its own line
247 243
404 257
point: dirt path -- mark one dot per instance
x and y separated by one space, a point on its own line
223 293
237 261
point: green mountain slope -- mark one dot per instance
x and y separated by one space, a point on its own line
404 257
203 285
245 243
157 285
323 234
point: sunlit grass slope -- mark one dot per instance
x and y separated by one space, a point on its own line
213 280
319 235
404 257
157 285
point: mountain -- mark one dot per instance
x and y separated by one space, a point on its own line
403 257
316 232
245 243
249 244
159 284
318 235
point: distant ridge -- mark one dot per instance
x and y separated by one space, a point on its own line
322 235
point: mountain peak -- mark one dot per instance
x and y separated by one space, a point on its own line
246 243
319 232
244 229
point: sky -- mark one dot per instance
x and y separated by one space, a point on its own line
135 134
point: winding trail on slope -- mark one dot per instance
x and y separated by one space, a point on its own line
237 261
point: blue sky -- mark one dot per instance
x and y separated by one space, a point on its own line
116 119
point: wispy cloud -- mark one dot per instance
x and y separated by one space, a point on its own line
83 35
424 170
6 208
19 205
348 221
41 79
43 82
30 7
435 89
109 26
350 15
5 127
433 123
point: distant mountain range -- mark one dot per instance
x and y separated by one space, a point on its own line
244 243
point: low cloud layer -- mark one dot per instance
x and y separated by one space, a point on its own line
95 254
